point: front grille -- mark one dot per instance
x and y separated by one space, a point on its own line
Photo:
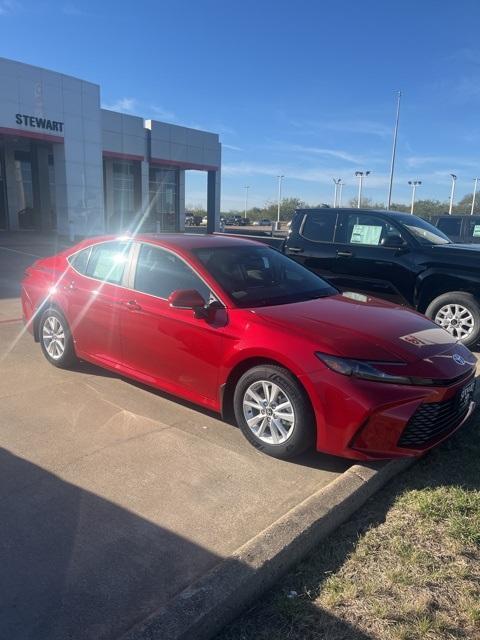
434 420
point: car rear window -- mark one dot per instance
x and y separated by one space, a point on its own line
319 227
450 226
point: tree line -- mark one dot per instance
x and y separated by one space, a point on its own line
423 208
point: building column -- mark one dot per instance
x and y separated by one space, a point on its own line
181 200
41 186
108 192
213 201
61 204
11 186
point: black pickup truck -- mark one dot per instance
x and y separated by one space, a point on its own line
395 256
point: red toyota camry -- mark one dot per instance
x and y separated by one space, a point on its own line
237 327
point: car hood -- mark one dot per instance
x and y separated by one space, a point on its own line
355 326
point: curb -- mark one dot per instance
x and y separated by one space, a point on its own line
203 608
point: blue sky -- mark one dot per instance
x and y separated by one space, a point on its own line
304 88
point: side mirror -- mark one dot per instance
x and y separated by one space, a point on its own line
188 299
394 241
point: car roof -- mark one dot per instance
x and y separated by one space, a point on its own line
321 210
186 241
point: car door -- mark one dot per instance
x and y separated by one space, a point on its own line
311 242
92 290
366 263
167 346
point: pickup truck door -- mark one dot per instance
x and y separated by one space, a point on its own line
366 263
311 242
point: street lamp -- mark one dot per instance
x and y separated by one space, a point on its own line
337 182
280 178
474 194
360 175
340 195
394 150
452 193
414 184
247 187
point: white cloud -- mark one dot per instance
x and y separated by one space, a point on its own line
359 126
161 113
125 105
231 147
320 151
135 107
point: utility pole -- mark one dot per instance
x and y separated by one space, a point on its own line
247 187
452 193
360 175
394 150
414 184
475 182
337 182
280 178
340 195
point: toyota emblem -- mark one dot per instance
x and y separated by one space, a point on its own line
458 359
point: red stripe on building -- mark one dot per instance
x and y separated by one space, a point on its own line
26 133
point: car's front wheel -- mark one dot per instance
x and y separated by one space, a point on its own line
56 340
273 412
459 314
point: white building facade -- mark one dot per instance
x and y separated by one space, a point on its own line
71 167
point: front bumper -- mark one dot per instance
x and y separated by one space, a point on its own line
366 420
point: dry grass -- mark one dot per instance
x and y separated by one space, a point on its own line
406 567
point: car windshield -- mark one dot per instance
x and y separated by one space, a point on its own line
261 276
423 231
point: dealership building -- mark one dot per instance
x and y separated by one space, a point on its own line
69 166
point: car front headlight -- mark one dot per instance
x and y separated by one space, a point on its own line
367 371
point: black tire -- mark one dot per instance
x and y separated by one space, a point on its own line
67 358
302 435
468 302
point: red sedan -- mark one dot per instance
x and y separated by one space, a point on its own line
237 327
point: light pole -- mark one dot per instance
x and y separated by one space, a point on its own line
474 194
340 195
414 184
360 175
247 187
337 182
280 179
452 193
394 150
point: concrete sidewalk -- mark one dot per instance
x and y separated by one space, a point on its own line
115 498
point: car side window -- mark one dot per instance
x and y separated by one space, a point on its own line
79 260
450 226
107 261
473 228
319 227
160 273
369 230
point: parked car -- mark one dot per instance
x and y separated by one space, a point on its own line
204 221
395 256
462 229
244 222
265 222
236 326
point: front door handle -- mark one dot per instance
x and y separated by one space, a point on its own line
344 254
133 305
295 249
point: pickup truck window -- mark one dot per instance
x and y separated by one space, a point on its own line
424 232
365 229
450 226
319 227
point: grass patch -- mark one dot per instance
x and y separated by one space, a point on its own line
405 567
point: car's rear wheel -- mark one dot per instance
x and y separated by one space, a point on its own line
273 412
459 314
56 340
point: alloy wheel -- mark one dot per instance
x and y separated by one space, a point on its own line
456 319
53 337
268 412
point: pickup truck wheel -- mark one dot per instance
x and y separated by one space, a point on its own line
459 314
273 412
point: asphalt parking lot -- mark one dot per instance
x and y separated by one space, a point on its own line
114 497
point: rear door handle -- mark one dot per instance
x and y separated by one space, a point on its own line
133 305
295 249
344 254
